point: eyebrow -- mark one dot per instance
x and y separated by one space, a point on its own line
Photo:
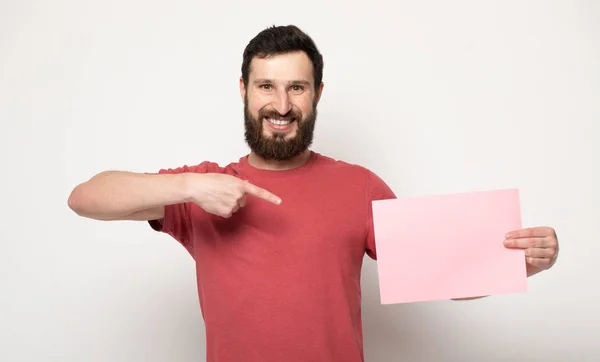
292 82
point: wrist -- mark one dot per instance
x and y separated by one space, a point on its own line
185 185
190 184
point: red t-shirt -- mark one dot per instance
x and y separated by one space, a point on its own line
282 282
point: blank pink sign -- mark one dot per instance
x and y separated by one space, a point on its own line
448 246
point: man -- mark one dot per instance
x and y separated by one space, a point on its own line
279 236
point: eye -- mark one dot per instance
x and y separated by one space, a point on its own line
266 86
297 88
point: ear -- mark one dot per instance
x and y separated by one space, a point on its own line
242 89
319 93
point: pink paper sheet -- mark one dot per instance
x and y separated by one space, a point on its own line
448 246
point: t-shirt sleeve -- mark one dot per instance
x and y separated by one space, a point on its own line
177 220
377 190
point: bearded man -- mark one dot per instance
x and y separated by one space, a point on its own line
279 236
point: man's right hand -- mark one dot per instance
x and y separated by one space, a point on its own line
222 194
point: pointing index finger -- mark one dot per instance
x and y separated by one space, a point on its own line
261 193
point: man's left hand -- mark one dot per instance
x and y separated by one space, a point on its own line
540 244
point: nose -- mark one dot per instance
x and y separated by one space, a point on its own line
282 103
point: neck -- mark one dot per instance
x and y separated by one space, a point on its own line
258 162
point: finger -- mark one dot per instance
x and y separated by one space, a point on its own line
225 211
526 243
534 232
261 193
539 262
540 252
242 201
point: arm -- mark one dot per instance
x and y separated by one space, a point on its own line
120 195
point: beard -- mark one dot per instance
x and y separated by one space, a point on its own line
277 147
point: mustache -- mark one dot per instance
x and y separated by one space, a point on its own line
271 113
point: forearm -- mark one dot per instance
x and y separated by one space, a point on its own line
114 195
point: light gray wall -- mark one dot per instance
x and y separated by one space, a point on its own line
434 96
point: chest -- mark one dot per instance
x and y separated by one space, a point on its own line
323 224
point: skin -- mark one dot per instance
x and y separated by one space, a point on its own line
540 245
280 83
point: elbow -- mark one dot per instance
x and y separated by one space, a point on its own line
75 200
90 200
82 199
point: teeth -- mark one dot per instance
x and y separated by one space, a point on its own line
279 122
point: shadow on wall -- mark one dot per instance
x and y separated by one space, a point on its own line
337 143
409 332
456 331
384 338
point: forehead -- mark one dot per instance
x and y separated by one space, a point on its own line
293 66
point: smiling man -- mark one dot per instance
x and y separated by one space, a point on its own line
280 91
279 236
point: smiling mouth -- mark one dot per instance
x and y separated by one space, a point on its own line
279 121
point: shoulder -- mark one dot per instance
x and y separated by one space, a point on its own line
374 185
345 168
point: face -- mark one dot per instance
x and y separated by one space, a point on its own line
280 106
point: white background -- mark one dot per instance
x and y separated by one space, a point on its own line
434 96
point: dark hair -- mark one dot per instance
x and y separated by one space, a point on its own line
280 40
